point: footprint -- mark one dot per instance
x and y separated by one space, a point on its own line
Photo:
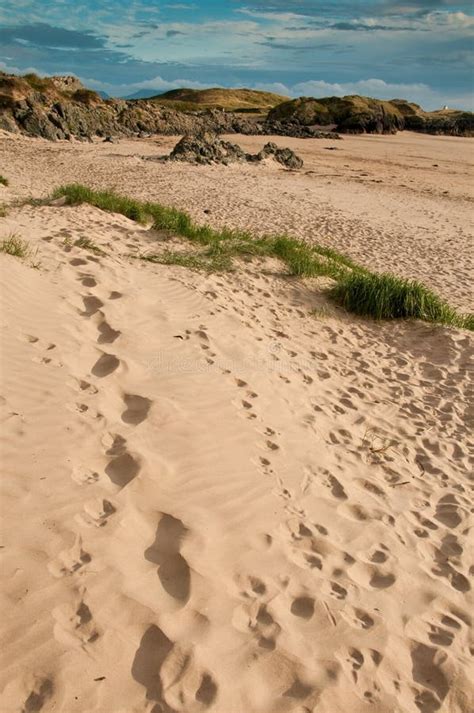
137 408
173 570
106 364
84 476
426 671
70 560
88 281
115 295
170 675
107 335
92 305
76 261
337 489
448 511
146 667
122 469
74 625
114 444
41 691
86 386
303 607
96 513
357 617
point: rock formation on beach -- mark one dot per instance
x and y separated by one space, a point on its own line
207 148
62 108
54 109
359 115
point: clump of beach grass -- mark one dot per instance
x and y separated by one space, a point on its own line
357 289
16 246
385 296
3 180
88 244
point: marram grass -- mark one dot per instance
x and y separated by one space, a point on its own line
386 296
16 246
380 296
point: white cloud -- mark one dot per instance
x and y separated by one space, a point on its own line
156 84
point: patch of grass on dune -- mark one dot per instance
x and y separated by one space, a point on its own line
16 246
193 261
76 194
88 244
3 181
386 296
380 296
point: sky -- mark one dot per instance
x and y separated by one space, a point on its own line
421 50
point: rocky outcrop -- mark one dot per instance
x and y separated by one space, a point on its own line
285 156
356 115
208 148
61 108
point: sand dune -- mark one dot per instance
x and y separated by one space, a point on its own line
220 492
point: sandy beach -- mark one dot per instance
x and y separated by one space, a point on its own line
221 492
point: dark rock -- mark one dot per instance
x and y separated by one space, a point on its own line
285 156
208 148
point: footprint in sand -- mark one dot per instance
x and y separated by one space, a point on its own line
173 570
74 625
149 659
87 387
92 305
357 617
70 560
122 469
253 616
107 335
40 690
427 672
84 476
137 408
170 675
106 364
303 607
87 281
96 513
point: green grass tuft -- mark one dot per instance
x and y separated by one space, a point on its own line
106 200
88 244
193 261
386 296
16 246
357 289
3 181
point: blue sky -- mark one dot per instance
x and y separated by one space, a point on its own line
415 49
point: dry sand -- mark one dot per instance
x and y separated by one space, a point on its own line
215 499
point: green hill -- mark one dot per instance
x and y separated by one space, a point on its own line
218 98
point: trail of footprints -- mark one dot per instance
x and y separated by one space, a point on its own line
73 621
159 663
162 665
